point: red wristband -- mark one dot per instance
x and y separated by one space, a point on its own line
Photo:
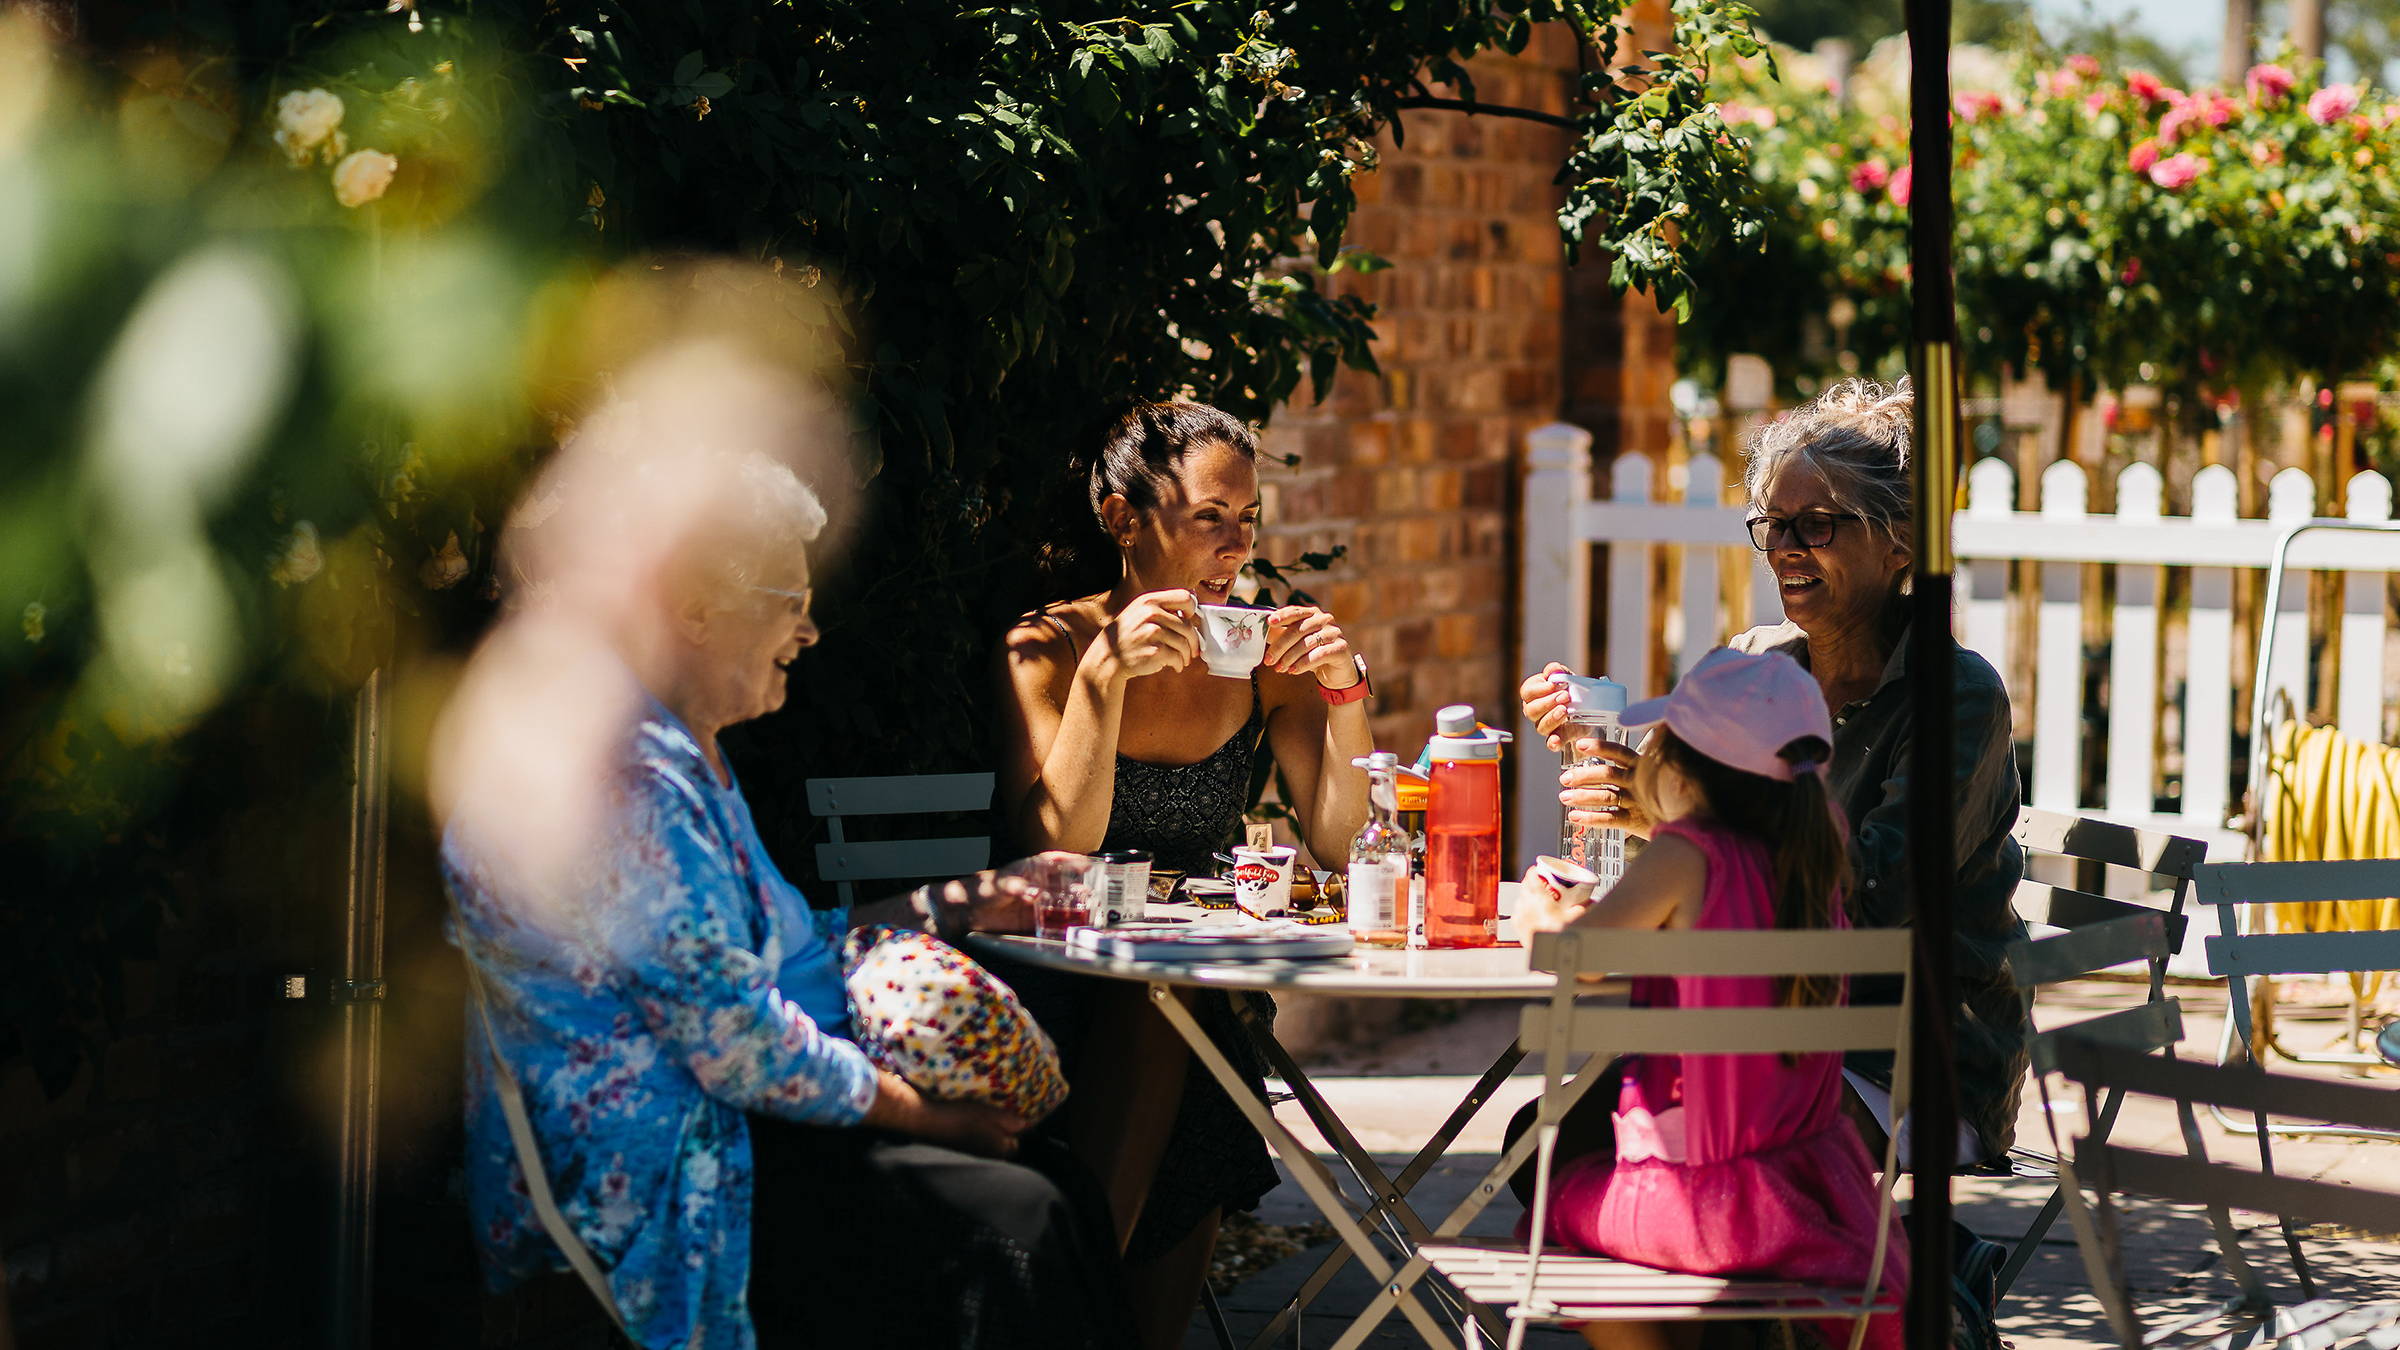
1349 693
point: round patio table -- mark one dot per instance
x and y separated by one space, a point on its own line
1486 973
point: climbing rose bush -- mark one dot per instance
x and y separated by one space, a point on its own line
2109 226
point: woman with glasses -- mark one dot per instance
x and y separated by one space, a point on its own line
1830 495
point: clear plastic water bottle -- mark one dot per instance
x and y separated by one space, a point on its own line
1593 703
1381 860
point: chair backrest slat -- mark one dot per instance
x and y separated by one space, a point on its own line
885 859
898 795
2279 883
2104 1066
2066 907
2146 1027
2171 1177
2141 935
1717 1031
2168 855
1858 951
2304 953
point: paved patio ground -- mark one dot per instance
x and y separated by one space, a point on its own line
1394 1093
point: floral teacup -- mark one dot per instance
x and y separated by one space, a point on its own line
1232 639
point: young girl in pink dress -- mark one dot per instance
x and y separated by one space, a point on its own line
1730 1164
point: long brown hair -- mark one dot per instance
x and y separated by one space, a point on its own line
1136 450
1810 858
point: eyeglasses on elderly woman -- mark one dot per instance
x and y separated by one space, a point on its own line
1813 529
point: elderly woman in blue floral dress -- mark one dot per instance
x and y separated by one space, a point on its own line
663 998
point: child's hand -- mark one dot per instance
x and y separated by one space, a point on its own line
1602 794
1538 912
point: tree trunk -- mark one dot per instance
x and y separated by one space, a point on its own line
2308 28
2234 59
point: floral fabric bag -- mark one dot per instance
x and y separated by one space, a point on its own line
926 1011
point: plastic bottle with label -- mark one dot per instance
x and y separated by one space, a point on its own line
1380 860
1593 705
1462 833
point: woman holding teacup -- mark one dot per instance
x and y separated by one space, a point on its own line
1131 716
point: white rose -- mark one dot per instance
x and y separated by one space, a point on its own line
362 176
306 119
301 558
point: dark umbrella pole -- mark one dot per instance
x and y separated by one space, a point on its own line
1933 868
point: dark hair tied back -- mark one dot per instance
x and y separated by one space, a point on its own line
1134 453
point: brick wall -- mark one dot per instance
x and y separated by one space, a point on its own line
1485 333
1413 468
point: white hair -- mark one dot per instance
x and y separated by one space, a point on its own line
1858 437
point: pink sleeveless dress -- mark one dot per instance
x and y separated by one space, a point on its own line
1732 1164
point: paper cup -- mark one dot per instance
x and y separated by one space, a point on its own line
1233 639
1566 883
1262 877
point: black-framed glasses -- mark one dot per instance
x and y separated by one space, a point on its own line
1813 529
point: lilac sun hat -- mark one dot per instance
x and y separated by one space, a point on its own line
1741 709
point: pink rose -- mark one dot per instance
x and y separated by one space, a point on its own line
2059 84
1904 181
2132 272
2220 109
2332 103
2170 127
2144 155
1870 176
2145 86
2094 101
2175 172
1974 107
2086 65
2268 83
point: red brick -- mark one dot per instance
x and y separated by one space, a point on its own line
1370 443
1457 636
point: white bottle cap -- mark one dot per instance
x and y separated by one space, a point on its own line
1592 693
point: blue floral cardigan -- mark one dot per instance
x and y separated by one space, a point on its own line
684 983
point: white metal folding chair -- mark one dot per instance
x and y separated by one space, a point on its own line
842 861
1532 1283
2078 931
2095 1061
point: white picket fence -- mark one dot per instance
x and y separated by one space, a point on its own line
1567 525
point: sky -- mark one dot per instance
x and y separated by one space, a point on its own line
2194 27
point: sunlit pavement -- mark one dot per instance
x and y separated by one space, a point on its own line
1395 1092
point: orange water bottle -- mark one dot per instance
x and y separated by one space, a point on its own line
1462 833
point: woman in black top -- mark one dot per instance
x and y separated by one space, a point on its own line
1114 735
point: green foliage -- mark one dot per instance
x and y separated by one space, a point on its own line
2108 228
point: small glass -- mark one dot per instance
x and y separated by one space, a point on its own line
1062 893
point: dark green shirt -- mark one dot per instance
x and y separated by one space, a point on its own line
1869 778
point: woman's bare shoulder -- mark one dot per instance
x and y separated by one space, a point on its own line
1054 635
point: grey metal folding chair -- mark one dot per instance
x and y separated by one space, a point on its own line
2097 1062
2079 932
1533 1283
2241 956
843 861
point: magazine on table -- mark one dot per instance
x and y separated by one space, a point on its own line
1212 942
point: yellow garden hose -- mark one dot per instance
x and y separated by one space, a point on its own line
2327 798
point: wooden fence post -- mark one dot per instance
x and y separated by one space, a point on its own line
2058 653
1557 588
2360 702
2208 660
2133 657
